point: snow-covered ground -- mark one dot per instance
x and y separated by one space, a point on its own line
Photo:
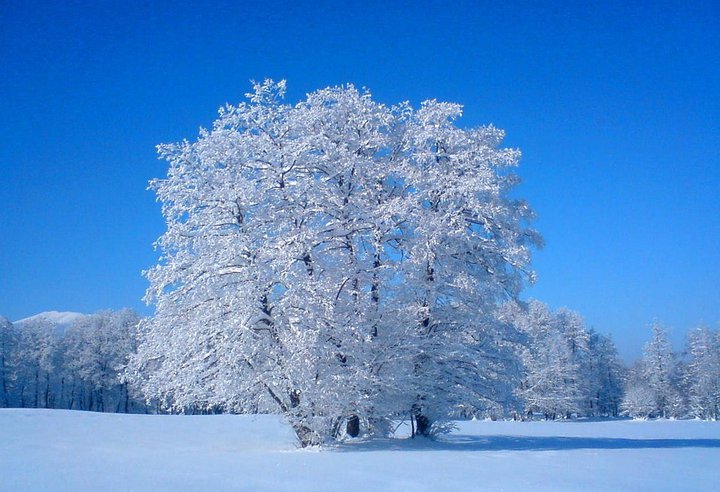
66 450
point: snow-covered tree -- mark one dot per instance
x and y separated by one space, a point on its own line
703 373
659 371
34 361
8 342
551 383
336 259
567 369
638 400
74 364
653 382
96 350
605 375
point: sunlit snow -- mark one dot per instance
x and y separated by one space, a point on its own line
68 450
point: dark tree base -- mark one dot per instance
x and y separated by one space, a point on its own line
353 426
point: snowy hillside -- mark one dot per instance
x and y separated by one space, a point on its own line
65 450
60 320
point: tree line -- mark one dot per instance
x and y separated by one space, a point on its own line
557 369
76 368
676 385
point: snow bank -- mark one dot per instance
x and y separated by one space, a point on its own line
66 450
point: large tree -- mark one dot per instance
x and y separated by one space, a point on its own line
336 259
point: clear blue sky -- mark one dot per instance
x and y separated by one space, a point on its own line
616 108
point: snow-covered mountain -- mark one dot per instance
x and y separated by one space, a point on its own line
61 320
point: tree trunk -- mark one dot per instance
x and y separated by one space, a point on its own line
48 403
37 388
422 423
61 398
353 426
72 395
127 398
5 399
3 368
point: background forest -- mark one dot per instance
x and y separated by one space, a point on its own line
558 369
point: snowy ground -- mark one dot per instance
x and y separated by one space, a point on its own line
75 451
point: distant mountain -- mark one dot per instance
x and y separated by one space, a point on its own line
61 321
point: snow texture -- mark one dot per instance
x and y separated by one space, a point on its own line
65 450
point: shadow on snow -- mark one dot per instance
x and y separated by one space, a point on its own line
521 443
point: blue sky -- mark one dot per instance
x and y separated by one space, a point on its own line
616 108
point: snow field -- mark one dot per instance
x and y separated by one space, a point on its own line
62 450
